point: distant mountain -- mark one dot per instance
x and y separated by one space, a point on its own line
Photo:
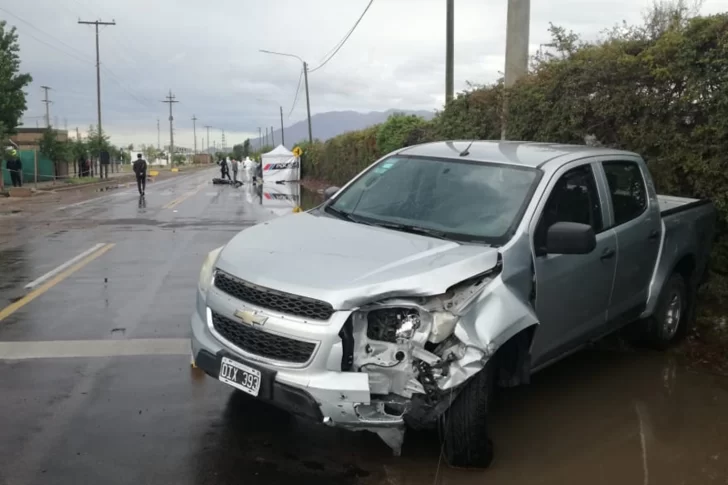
330 124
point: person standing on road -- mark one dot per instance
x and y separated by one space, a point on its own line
224 171
236 167
15 167
140 169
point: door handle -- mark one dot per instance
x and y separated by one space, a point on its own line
653 235
607 254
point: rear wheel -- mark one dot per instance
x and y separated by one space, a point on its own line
464 426
670 318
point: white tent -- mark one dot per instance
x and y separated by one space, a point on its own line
280 165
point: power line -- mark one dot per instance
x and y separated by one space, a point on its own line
343 41
298 89
54 47
77 54
42 31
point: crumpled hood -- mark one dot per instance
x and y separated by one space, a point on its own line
349 264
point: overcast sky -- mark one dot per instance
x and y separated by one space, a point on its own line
206 52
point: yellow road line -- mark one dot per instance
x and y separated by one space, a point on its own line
179 200
14 307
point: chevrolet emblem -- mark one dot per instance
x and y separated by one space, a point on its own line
251 317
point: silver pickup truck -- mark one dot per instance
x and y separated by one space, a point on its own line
442 272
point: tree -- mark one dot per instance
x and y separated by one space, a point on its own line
130 147
238 152
394 132
246 148
96 143
150 153
78 149
52 148
12 83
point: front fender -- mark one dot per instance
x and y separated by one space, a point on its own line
497 316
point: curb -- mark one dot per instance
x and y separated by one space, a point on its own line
80 186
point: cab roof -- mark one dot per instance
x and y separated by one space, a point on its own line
524 153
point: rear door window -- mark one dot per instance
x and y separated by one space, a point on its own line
627 190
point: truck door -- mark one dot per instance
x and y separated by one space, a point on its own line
572 291
636 220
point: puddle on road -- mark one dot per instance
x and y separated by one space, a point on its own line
310 198
596 417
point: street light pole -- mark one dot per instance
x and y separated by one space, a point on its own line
305 77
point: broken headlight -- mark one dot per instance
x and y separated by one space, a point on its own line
392 324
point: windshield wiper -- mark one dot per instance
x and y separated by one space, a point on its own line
422 231
345 215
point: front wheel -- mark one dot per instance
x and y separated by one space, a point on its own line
464 426
671 314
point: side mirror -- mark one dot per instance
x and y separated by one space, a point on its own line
570 238
330 192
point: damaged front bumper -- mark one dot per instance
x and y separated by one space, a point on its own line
378 368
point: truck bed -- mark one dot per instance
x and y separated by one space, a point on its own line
670 204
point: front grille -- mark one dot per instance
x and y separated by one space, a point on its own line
273 299
262 343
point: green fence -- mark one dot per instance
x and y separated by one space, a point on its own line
46 169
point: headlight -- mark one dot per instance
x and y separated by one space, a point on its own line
402 323
207 267
392 324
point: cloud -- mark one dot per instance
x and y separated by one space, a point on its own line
207 53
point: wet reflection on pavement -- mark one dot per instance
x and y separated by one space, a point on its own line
600 416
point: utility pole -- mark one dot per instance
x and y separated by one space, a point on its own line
308 103
517 30
78 135
283 135
450 52
170 99
260 138
223 140
159 145
96 23
194 130
266 136
272 137
208 137
47 105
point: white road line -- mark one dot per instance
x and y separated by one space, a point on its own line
93 348
60 268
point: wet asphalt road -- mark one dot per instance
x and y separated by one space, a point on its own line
79 411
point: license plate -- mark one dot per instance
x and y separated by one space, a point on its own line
240 376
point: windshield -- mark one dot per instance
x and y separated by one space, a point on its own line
462 200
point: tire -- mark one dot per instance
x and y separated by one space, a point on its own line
669 321
464 426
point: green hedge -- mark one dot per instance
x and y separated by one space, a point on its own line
660 89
